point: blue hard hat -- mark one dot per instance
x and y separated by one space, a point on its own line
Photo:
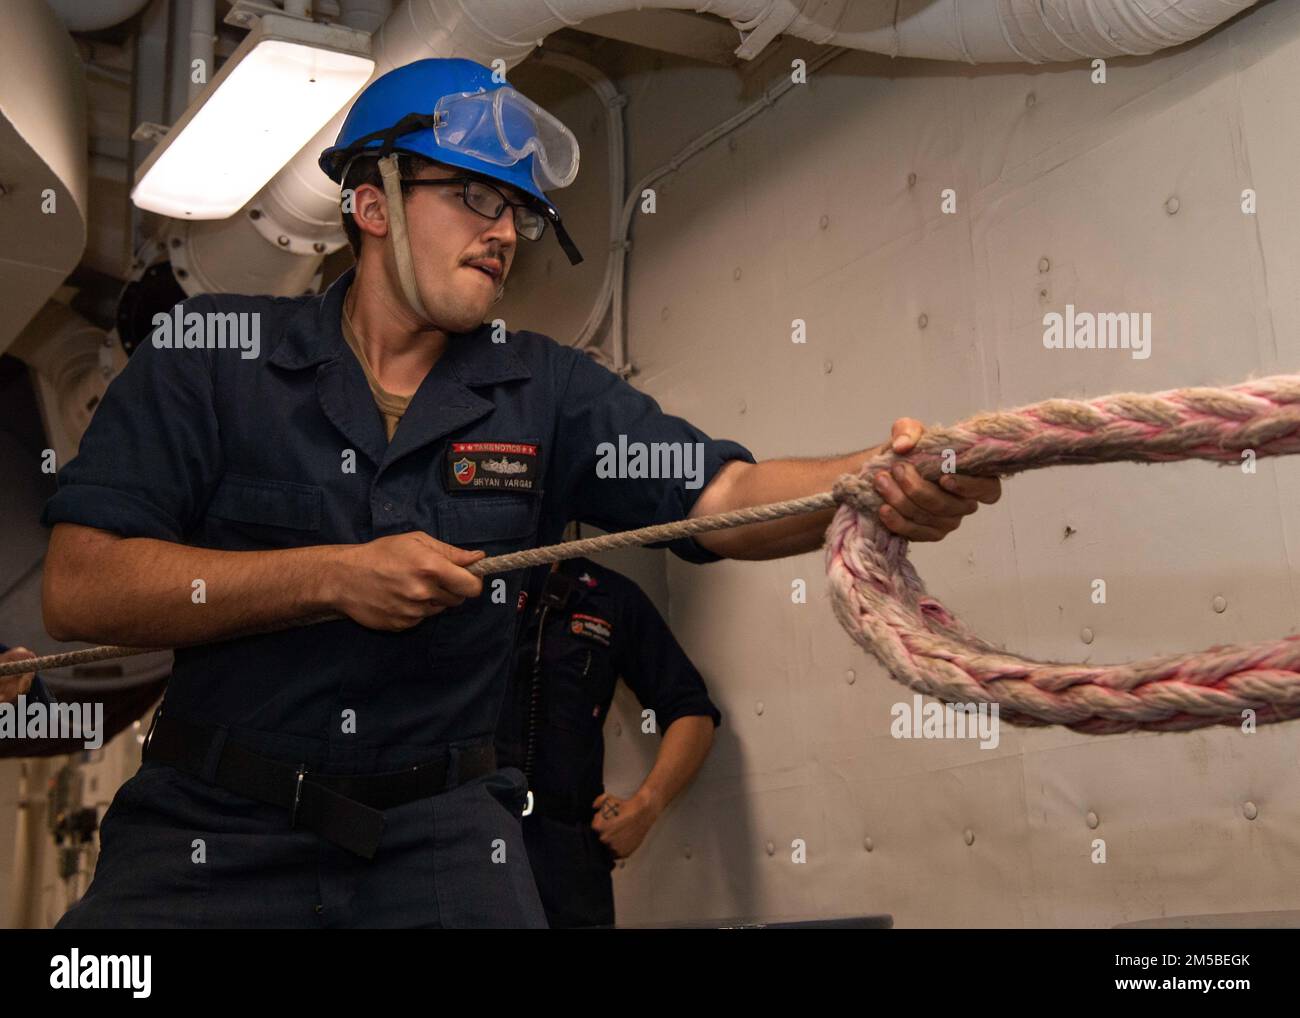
417 108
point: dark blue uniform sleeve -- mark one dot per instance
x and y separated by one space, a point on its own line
654 666
602 422
151 457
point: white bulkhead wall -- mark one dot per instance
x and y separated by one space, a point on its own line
1122 196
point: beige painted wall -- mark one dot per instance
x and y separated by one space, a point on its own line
1046 165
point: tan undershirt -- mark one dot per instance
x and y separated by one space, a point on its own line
391 406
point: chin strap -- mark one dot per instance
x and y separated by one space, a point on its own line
398 235
401 241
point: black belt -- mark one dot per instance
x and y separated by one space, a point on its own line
345 809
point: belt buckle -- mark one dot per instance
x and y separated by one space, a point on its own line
297 797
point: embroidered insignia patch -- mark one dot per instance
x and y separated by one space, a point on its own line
493 466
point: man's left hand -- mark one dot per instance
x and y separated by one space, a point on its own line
622 824
921 510
13 686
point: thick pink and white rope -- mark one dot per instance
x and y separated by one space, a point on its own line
883 604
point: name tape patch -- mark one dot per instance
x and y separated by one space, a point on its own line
495 466
591 626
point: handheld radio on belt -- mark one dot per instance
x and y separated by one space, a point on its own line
555 594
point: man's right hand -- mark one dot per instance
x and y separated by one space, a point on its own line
394 583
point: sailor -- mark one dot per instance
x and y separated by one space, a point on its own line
344 773
590 627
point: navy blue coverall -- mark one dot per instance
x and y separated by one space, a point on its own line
210 448
595 625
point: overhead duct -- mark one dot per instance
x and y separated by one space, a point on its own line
80 16
298 210
43 161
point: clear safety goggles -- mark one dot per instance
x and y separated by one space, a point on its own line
502 127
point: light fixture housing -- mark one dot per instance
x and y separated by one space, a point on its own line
284 82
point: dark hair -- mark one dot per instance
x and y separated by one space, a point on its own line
365 170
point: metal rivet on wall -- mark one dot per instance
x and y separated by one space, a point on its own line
742 406
1043 264
1219 604
1250 811
758 707
1085 634
911 180
923 320
1031 100
868 844
770 848
850 676
824 222
1172 204
828 365
1093 820
735 274
969 836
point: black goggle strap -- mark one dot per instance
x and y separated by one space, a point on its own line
566 242
409 124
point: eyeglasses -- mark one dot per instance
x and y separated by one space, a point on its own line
487 201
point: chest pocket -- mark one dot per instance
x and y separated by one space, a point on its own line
482 629
495 523
270 512
581 682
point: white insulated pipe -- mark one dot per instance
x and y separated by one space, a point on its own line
302 203
203 29
81 16
365 15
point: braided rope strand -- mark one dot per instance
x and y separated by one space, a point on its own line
483 567
882 603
